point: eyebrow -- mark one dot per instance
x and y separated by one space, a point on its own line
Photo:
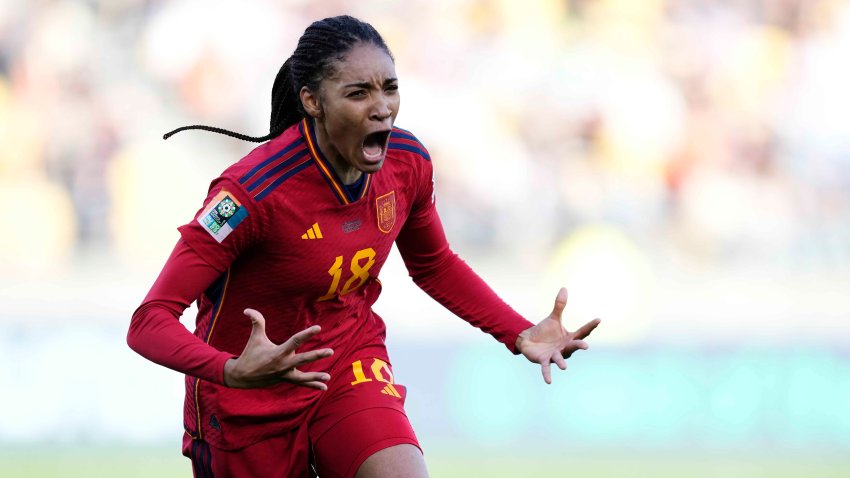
367 85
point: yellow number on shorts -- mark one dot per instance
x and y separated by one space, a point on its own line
359 376
379 365
379 370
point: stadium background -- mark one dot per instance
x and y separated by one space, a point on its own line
683 167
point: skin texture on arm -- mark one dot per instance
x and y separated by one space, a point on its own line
400 461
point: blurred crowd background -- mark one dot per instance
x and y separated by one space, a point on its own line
682 166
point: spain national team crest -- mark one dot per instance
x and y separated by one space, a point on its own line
386 211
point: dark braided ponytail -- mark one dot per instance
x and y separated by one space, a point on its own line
323 43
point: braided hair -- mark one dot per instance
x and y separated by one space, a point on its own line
323 43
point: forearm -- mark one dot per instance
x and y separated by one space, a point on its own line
449 280
156 334
459 289
155 329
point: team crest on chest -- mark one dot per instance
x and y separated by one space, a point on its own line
386 211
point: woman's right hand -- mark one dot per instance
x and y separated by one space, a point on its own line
265 363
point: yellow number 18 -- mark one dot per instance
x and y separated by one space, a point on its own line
359 272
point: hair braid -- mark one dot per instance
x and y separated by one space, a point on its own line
323 43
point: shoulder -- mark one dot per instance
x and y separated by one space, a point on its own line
405 144
269 165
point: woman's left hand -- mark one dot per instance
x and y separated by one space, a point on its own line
549 341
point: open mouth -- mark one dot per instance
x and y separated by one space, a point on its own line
375 144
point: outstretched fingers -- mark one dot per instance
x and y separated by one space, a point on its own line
308 379
316 385
258 325
311 356
299 339
586 329
559 359
573 346
546 365
560 304
546 368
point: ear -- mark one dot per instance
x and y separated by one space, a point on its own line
311 102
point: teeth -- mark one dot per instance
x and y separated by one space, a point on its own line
373 147
372 153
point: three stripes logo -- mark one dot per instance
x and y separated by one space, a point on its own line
391 391
382 373
313 233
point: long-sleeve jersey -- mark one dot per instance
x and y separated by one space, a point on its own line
280 233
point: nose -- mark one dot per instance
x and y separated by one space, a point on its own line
382 108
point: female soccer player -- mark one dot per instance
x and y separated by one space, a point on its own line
293 236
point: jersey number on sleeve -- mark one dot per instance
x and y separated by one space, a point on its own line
359 272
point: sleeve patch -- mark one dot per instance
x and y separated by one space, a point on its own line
222 215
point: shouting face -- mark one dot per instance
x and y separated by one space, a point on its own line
354 111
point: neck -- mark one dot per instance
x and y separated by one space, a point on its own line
346 172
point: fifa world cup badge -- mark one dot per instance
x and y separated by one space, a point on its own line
222 215
386 211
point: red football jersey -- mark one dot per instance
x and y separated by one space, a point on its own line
285 238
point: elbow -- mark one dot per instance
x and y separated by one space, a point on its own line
422 277
134 336
427 271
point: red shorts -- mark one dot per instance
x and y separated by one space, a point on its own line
361 413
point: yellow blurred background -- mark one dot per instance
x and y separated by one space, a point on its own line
682 166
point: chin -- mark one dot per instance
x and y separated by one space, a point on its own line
372 167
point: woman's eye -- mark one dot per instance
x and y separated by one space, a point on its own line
357 93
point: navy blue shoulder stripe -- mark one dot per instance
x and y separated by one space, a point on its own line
281 179
411 148
271 172
398 138
265 163
402 133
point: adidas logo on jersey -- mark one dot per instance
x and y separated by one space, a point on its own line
313 233
391 391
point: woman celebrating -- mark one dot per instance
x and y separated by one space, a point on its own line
293 236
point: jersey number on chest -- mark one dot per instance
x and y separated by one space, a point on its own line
362 261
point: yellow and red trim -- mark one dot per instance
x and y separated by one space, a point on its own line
327 170
207 340
366 186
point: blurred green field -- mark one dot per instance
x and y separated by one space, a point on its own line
163 463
